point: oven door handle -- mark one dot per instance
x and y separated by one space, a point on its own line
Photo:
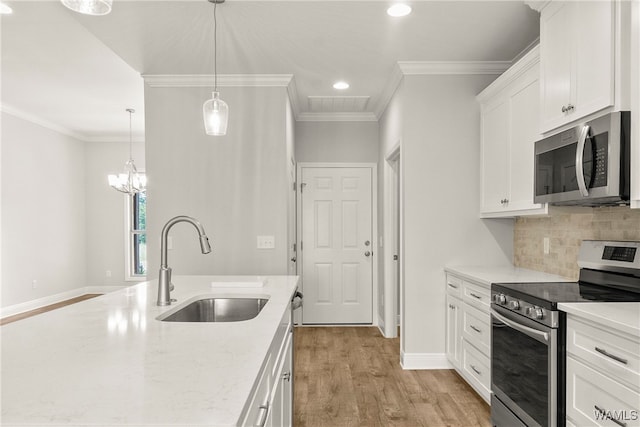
584 134
533 333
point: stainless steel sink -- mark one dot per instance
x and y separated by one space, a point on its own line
218 310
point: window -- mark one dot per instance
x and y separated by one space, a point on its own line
137 237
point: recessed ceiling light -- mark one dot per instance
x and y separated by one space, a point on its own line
341 85
5 10
399 9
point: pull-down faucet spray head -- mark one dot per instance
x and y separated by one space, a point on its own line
164 279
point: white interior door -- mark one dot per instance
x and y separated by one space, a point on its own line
337 245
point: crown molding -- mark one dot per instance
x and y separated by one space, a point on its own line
224 80
32 118
337 117
452 67
524 64
389 91
537 5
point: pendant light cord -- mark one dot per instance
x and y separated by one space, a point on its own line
215 47
130 142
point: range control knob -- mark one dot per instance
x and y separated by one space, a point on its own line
535 312
514 304
500 299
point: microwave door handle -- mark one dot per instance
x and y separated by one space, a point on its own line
584 134
533 333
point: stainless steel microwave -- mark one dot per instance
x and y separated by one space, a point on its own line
586 165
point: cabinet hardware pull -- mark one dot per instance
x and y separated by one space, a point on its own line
475 295
453 286
286 376
475 329
564 109
603 412
475 370
611 356
570 107
262 419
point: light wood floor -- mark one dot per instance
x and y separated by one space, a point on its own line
41 310
352 377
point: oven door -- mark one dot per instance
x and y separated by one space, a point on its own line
524 367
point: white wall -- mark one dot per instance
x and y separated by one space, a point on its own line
236 185
440 131
337 142
105 211
43 212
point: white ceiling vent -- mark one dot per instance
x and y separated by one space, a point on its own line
338 104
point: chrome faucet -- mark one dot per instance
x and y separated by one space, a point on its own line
164 280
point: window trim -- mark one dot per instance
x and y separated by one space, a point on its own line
129 232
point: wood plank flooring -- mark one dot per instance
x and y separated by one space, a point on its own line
352 377
44 309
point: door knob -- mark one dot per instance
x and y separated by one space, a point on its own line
367 243
293 259
367 253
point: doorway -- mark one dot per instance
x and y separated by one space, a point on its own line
337 243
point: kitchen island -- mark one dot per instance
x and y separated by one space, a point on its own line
109 361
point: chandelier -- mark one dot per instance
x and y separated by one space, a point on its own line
130 181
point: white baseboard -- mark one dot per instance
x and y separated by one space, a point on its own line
415 361
52 299
381 326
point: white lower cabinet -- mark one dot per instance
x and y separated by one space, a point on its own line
271 404
468 332
602 375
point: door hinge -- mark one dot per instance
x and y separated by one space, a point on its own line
300 244
302 185
295 186
294 247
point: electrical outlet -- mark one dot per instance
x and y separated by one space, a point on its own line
545 242
266 242
107 273
34 284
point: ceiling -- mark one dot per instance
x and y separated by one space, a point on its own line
80 72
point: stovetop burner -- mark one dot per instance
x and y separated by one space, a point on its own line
548 295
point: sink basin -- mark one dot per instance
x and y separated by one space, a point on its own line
218 310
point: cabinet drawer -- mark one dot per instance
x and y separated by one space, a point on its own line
475 366
590 394
617 356
258 406
476 296
476 328
454 286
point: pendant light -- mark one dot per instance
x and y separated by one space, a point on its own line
129 182
215 111
89 7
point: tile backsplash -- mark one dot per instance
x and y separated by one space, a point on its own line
566 228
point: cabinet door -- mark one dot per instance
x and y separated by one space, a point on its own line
556 56
524 132
495 155
594 56
454 331
287 386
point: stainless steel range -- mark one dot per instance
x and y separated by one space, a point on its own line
528 332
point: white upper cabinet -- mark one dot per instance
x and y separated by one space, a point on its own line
509 120
581 47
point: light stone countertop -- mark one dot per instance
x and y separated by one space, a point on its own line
503 274
619 316
108 361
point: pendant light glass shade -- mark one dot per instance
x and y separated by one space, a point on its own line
216 115
89 7
130 181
